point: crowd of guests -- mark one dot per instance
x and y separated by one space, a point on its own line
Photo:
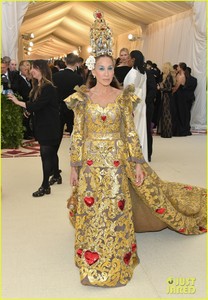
168 110
166 96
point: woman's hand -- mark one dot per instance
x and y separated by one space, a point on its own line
15 100
139 177
74 177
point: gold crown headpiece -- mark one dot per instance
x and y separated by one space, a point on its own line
101 40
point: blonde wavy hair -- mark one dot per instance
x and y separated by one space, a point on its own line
167 70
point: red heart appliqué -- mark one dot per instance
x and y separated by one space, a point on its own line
79 252
91 257
71 213
182 230
103 118
202 229
127 258
116 163
89 201
121 204
188 187
89 162
160 210
133 247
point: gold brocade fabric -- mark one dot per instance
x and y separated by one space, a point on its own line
105 148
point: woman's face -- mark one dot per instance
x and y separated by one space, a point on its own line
36 73
104 70
124 57
131 61
165 69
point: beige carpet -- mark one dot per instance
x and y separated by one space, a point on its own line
37 238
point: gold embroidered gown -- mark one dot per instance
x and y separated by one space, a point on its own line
105 148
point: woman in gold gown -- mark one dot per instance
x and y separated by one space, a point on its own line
117 192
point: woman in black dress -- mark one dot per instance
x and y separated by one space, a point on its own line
180 108
168 81
123 67
44 106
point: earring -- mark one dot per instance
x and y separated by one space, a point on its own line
93 76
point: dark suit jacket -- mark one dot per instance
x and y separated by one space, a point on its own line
46 116
65 81
10 81
189 88
23 88
151 88
13 76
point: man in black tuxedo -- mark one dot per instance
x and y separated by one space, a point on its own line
189 88
24 88
9 79
65 81
150 97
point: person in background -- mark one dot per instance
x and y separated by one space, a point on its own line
24 88
53 68
150 99
165 121
13 65
27 65
175 68
9 78
137 76
189 88
123 66
148 65
81 68
44 105
65 81
59 64
180 109
6 59
157 103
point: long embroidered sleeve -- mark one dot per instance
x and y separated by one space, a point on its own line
76 103
128 102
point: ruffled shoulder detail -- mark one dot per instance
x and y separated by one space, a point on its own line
129 97
79 97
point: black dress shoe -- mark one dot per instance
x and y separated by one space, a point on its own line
57 180
28 137
42 191
52 172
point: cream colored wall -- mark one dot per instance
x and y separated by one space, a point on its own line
123 42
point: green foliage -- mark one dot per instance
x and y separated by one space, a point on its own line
11 124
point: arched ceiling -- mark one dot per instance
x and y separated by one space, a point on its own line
61 27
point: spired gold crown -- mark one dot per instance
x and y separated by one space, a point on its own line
101 40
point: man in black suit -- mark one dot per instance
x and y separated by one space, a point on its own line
65 81
9 79
24 88
150 97
189 88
